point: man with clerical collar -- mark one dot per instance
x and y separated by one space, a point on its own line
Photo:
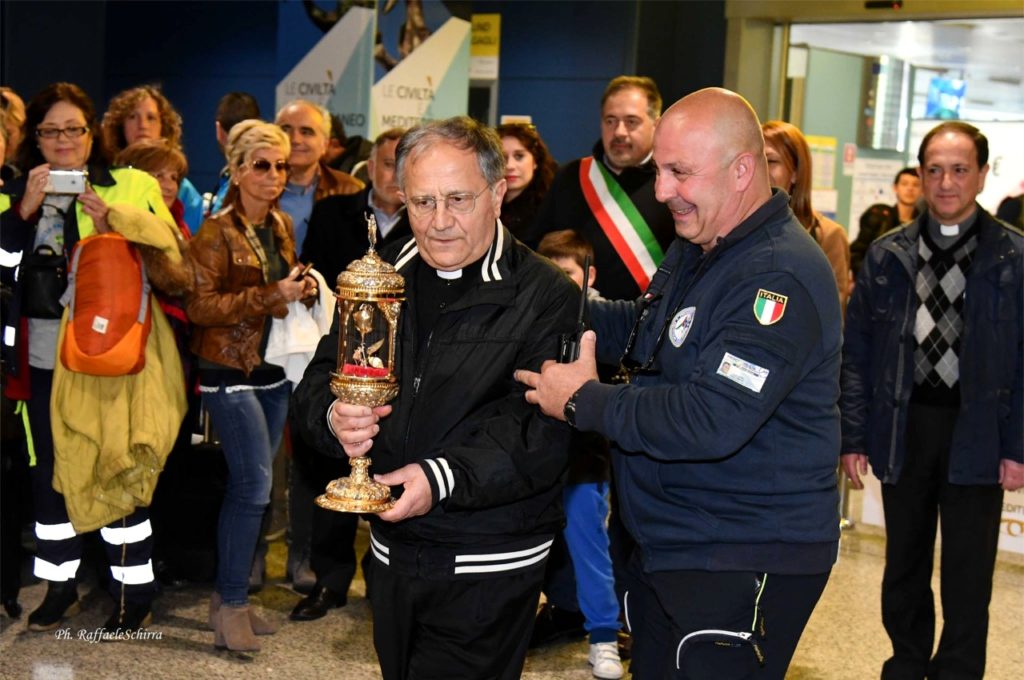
608 198
321 556
458 562
308 127
932 398
725 438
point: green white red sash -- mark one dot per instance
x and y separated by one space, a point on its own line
620 221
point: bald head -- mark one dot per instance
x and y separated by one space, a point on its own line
712 172
723 116
308 127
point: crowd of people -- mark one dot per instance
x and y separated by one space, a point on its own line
671 490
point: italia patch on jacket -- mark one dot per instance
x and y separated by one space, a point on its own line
769 307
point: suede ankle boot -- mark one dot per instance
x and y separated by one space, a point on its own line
260 625
234 631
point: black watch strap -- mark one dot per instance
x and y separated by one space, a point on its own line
569 410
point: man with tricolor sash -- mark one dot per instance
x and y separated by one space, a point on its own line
608 198
726 436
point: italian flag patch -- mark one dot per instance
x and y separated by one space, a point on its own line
769 307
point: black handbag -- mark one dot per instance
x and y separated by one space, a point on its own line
42 279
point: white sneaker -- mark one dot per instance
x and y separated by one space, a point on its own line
604 657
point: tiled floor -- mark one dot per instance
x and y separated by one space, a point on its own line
844 640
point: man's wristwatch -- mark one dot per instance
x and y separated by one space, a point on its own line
569 410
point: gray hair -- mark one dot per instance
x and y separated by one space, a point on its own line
325 115
461 132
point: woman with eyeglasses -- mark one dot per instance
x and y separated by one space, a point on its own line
44 217
529 170
246 273
145 113
789 167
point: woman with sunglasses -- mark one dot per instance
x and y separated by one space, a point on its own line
529 169
246 273
59 127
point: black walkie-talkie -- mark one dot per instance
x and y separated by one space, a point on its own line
569 344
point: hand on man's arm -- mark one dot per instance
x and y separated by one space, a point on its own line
555 383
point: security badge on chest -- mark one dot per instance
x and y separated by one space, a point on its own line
680 326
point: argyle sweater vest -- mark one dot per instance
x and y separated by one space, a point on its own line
940 285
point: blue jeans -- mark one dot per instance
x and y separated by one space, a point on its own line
249 423
583 580
586 507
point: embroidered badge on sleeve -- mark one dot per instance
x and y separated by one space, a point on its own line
769 307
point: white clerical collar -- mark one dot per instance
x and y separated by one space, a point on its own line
949 229
449 276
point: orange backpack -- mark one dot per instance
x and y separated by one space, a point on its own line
108 308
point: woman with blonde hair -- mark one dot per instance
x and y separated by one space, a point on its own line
789 165
246 273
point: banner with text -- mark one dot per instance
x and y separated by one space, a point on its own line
429 83
486 47
338 72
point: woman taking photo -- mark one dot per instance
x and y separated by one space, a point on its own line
145 113
529 170
244 258
45 217
789 166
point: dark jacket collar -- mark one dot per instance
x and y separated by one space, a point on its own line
772 210
994 242
494 267
644 169
496 270
100 175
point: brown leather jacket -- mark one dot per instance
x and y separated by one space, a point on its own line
231 299
335 182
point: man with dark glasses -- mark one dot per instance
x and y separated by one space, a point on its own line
726 427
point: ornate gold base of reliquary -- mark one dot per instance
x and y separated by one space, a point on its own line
359 492
369 294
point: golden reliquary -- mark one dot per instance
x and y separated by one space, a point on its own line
370 294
